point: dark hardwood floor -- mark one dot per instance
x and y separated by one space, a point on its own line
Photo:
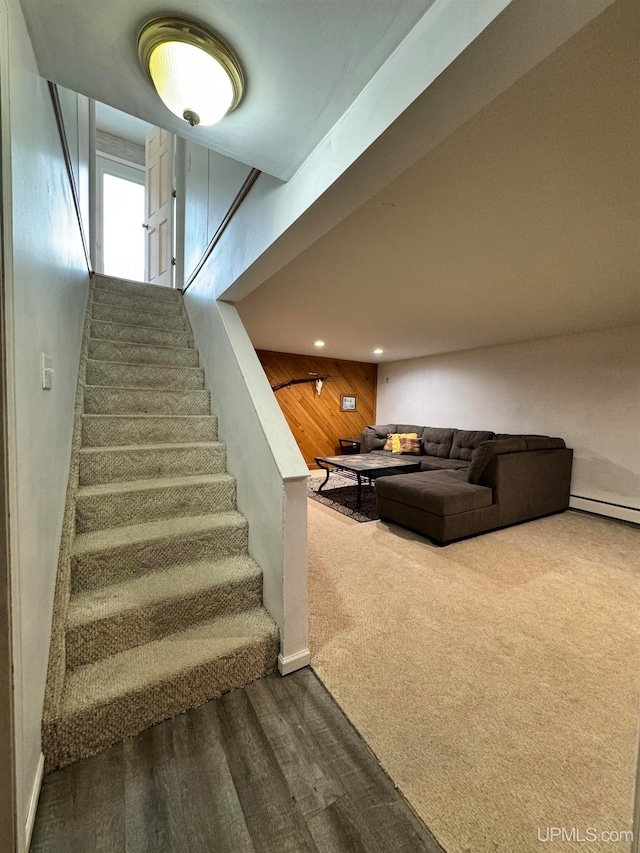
272 768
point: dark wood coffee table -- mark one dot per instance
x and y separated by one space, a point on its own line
367 465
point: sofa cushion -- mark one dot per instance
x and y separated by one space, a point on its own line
536 442
500 435
543 442
438 492
375 437
483 453
409 428
437 441
433 463
466 441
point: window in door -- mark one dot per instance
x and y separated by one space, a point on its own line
122 245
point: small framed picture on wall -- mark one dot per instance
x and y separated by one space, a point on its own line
348 403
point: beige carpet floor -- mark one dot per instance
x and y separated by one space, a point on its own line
497 679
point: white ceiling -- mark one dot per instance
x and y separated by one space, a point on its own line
120 124
523 224
305 62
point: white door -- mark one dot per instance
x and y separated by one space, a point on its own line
159 200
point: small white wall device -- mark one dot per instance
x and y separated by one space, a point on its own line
47 371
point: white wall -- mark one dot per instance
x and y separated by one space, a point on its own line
75 114
584 388
267 464
47 289
207 185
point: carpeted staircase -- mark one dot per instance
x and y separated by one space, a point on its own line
158 605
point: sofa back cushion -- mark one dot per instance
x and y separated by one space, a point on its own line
511 444
536 442
466 441
483 453
408 428
543 442
375 437
437 441
500 435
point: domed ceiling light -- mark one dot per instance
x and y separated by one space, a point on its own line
196 75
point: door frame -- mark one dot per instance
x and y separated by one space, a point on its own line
106 164
8 817
10 837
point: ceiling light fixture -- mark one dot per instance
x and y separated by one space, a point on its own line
378 351
319 344
196 75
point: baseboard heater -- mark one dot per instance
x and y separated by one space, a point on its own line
608 508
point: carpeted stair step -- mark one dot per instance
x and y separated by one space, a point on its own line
115 554
164 377
136 288
128 316
104 400
142 353
123 694
137 302
125 463
112 430
109 620
138 501
103 330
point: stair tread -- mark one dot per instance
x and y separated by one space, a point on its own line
122 487
143 364
150 531
136 344
101 287
142 415
162 660
152 300
101 279
135 326
132 310
139 288
155 390
120 448
131 326
138 414
107 430
177 582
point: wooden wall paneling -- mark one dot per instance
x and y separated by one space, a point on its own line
317 422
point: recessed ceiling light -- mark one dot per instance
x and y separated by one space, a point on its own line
378 351
319 344
195 74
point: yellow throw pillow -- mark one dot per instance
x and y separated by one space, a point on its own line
405 442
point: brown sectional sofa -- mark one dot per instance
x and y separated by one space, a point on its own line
471 482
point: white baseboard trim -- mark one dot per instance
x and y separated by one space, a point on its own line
293 662
33 802
623 513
